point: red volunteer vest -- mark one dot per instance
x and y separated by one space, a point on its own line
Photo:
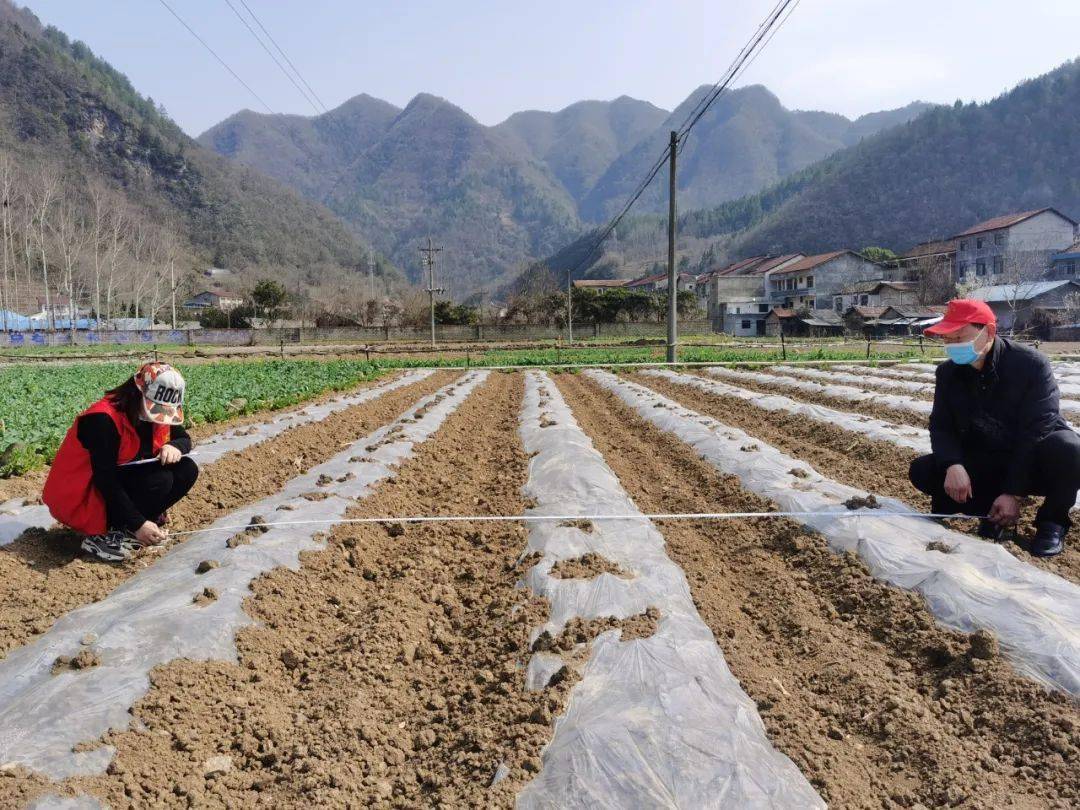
69 490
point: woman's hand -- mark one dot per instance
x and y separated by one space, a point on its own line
169 455
958 483
149 534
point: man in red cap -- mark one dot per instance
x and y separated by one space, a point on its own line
996 432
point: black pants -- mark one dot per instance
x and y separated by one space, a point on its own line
153 488
1055 474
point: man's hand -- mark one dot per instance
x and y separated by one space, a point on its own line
149 534
1005 510
958 484
169 455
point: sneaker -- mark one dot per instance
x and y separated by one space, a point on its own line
113 546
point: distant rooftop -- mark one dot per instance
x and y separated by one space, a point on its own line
1023 291
1007 221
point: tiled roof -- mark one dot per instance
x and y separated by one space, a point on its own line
930 249
776 261
783 313
868 312
810 262
600 282
741 267
1007 221
1074 250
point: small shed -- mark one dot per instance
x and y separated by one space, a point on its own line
784 321
1027 304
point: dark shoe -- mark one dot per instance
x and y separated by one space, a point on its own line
113 546
988 530
1049 540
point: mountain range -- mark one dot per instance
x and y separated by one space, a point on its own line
497 197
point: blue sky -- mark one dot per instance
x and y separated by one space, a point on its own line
494 58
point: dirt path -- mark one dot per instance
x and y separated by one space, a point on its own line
43 576
877 467
878 705
387 671
869 407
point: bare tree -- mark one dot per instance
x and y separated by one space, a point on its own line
48 188
8 283
69 236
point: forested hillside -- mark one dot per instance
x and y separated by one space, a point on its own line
64 108
928 179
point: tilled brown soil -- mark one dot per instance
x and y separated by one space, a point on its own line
869 407
877 467
43 576
387 671
877 704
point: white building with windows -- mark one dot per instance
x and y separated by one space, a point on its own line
1012 247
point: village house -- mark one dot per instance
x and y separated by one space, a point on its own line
1064 265
210 299
739 292
599 284
876 294
1012 247
658 283
928 255
813 281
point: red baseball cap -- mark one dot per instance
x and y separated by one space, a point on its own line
961 312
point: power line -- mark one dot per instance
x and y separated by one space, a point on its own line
748 52
284 55
214 54
270 53
761 38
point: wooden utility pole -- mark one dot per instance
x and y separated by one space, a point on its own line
673 279
429 260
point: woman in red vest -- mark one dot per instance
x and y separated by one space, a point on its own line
94 487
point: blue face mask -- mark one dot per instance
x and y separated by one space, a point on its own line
963 354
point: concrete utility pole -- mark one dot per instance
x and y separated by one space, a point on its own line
371 276
569 307
429 260
673 279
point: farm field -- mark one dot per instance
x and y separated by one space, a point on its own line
38 401
835 656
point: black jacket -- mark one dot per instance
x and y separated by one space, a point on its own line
99 436
996 414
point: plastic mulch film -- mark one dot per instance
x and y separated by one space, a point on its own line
653 722
16 518
968 583
1068 388
896 401
151 619
893 372
909 386
911 438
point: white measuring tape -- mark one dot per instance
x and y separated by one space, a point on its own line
547 518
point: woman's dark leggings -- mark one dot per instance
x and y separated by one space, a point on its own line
153 488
